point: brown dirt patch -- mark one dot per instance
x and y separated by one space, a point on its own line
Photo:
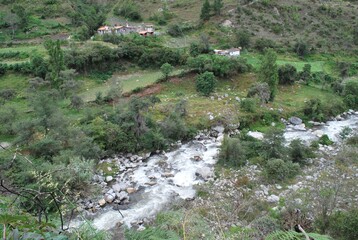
153 89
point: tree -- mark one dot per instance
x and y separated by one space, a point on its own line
23 16
268 72
205 11
306 75
39 66
56 62
12 20
205 83
242 38
272 145
261 90
166 69
218 4
301 48
287 74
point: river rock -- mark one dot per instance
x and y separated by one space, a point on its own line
167 174
300 127
219 129
122 195
4 145
318 133
109 178
109 197
102 202
150 183
257 135
295 120
227 23
197 158
205 173
273 198
131 190
119 187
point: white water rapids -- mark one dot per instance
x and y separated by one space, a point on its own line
154 198
184 168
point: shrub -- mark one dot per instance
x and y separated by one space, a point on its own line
153 140
344 225
232 152
272 144
305 75
175 30
350 94
260 90
221 66
242 38
129 9
205 83
7 94
277 170
248 105
298 152
313 109
287 74
265 225
151 233
174 128
324 140
301 48
262 43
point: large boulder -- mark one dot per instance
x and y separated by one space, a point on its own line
295 120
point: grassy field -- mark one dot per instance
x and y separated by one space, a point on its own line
128 82
224 105
316 65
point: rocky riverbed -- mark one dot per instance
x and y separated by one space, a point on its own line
136 187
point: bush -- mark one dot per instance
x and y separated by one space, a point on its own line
221 66
205 83
262 43
324 140
129 9
272 144
232 152
242 38
277 170
260 90
287 74
7 94
313 109
248 105
301 48
298 152
344 225
350 94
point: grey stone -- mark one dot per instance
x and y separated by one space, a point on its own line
102 202
109 178
109 197
295 120
122 195
273 198
205 173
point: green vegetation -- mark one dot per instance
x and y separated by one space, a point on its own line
205 83
69 97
